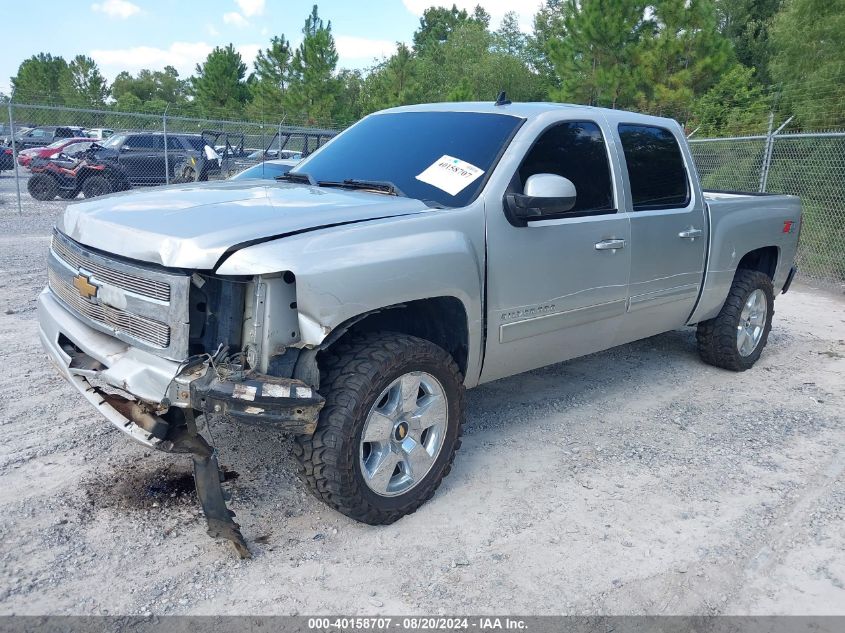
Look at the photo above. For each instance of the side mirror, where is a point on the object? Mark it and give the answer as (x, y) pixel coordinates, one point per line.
(546, 195)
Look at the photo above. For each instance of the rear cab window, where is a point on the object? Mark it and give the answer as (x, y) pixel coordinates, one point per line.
(656, 170)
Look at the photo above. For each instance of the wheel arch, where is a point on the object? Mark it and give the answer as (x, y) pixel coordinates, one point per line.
(764, 260)
(441, 320)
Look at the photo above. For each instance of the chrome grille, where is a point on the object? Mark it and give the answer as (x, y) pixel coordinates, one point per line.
(147, 330)
(149, 288)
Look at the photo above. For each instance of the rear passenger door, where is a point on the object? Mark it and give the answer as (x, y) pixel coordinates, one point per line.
(668, 231)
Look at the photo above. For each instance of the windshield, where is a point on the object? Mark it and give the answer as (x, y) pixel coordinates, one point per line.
(114, 141)
(267, 171)
(439, 157)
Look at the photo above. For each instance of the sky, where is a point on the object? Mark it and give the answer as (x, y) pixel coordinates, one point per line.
(135, 34)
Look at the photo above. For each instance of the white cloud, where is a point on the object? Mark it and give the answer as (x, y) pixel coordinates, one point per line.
(235, 19)
(251, 7)
(183, 56)
(352, 47)
(211, 30)
(121, 9)
(496, 9)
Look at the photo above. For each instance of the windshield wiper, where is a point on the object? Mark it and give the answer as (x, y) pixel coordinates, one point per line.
(299, 176)
(381, 186)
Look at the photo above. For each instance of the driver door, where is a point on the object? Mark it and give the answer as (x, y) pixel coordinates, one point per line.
(555, 287)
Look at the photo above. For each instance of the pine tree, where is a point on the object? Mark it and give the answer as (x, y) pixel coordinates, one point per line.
(509, 38)
(271, 78)
(219, 86)
(313, 87)
(686, 56)
(596, 59)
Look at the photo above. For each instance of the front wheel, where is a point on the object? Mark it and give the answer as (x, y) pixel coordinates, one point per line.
(42, 187)
(389, 430)
(735, 338)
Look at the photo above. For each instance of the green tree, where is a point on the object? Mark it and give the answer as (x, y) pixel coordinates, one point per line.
(467, 66)
(808, 66)
(313, 86)
(84, 85)
(160, 85)
(683, 59)
(548, 28)
(348, 106)
(746, 23)
(437, 23)
(509, 38)
(391, 82)
(597, 56)
(219, 87)
(735, 105)
(271, 78)
(40, 78)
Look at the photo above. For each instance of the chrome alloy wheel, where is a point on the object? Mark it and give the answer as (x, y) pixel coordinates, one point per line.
(752, 322)
(403, 434)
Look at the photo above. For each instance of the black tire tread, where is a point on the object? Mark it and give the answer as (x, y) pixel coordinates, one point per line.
(327, 458)
(716, 337)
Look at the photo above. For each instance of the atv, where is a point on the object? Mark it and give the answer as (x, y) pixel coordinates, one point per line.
(66, 176)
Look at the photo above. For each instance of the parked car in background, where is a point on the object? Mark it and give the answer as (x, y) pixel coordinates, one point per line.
(139, 159)
(69, 146)
(99, 133)
(46, 134)
(268, 170)
(7, 139)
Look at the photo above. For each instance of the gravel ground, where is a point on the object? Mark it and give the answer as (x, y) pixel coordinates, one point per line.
(637, 480)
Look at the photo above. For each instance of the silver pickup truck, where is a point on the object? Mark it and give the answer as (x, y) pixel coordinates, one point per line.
(425, 250)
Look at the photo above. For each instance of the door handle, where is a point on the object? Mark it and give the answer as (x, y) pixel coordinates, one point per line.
(610, 245)
(690, 234)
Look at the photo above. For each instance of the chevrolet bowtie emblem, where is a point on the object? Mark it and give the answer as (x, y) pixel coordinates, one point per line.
(83, 285)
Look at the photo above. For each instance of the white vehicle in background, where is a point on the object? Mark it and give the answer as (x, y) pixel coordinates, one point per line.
(100, 133)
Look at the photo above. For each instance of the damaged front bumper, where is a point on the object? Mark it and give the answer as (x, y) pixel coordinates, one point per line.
(152, 399)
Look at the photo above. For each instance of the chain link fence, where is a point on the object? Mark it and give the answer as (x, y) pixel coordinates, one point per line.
(58, 153)
(51, 162)
(809, 165)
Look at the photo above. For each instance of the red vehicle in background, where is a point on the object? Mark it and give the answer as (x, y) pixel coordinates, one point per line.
(65, 145)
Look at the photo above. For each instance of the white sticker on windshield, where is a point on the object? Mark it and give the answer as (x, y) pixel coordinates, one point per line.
(450, 174)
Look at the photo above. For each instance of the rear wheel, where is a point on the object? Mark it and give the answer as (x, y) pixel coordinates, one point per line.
(735, 338)
(389, 430)
(96, 186)
(42, 187)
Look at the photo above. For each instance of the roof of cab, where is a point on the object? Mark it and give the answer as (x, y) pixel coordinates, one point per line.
(529, 110)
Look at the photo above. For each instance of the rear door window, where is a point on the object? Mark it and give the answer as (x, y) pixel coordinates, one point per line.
(139, 142)
(656, 168)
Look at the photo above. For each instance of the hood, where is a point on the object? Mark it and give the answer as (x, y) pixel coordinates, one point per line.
(193, 226)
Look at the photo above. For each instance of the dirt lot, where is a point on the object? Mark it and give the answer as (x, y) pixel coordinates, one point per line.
(637, 480)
